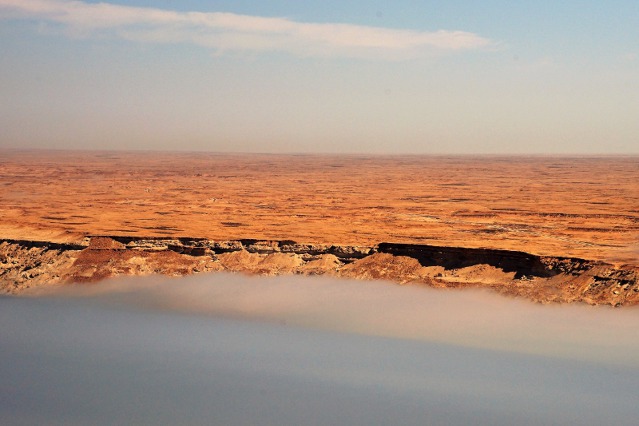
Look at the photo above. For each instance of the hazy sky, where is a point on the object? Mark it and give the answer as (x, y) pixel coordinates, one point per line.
(333, 76)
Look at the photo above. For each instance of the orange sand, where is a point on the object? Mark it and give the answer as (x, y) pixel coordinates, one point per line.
(583, 207)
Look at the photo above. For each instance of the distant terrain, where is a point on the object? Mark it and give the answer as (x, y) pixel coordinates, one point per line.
(550, 229)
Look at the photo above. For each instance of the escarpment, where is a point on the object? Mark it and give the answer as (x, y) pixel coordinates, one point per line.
(544, 279)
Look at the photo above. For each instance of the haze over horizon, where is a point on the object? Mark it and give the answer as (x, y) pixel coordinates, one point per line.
(451, 77)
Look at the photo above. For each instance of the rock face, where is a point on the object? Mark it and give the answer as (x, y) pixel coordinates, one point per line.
(523, 264)
(544, 279)
(384, 266)
(24, 264)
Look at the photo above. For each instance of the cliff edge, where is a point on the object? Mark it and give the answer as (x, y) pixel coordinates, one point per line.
(543, 279)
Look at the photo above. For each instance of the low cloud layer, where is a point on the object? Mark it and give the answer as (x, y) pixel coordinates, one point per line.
(229, 32)
(469, 318)
(228, 349)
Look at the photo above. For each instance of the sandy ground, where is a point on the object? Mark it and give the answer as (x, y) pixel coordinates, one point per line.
(583, 207)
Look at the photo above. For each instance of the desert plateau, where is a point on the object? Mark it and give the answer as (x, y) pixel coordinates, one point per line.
(545, 228)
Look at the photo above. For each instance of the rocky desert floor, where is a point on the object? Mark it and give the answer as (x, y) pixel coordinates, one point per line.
(217, 211)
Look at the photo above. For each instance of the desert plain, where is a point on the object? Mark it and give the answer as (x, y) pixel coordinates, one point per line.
(557, 210)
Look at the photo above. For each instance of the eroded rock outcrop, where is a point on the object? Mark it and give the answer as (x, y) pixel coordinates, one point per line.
(25, 264)
(544, 279)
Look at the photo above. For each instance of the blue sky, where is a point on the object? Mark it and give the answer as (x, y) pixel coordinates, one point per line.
(287, 76)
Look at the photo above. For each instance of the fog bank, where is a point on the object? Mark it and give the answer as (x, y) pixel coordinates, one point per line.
(233, 350)
(472, 318)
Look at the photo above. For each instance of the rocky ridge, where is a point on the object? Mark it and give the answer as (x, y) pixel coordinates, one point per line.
(544, 279)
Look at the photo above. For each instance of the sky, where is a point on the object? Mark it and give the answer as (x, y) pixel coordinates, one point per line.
(402, 77)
